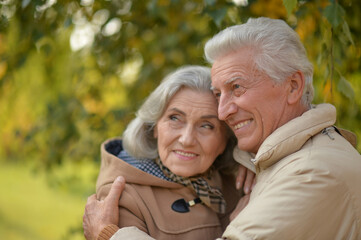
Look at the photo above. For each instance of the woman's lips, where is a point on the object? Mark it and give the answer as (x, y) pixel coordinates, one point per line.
(184, 154)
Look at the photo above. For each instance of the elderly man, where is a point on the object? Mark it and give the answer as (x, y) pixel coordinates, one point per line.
(308, 174)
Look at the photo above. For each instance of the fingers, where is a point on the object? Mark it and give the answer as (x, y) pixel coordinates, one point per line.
(99, 214)
(248, 184)
(115, 191)
(88, 212)
(91, 198)
(242, 203)
(246, 179)
(253, 183)
(89, 203)
(240, 177)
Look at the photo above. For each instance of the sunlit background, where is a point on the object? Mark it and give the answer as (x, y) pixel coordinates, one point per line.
(72, 74)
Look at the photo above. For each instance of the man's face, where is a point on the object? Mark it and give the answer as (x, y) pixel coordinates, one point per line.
(248, 100)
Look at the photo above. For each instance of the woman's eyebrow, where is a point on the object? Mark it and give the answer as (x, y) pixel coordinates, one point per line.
(183, 113)
(209, 116)
(177, 110)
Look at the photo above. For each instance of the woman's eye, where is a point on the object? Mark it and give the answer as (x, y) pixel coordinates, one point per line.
(217, 96)
(207, 126)
(173, 118)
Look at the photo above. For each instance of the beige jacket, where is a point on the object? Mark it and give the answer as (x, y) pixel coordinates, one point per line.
(308, 184)
(146, 201)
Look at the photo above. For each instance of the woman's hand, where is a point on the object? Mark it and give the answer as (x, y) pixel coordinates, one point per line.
(246, 179)
(99, 214)
(242, 203)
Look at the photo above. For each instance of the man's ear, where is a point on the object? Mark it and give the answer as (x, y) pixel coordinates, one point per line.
(296, 86)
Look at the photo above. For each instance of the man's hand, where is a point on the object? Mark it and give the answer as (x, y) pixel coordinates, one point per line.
(99, 214)
(245, 178)
(242, 203)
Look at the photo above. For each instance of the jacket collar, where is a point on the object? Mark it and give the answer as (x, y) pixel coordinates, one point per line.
(290, 137)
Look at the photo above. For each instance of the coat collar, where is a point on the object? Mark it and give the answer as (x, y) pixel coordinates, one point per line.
(112, 166)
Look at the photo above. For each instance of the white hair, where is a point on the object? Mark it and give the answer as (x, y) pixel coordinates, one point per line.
(138, 139)
(278, 50)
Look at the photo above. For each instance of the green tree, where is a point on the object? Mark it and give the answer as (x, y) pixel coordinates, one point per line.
(73, 73)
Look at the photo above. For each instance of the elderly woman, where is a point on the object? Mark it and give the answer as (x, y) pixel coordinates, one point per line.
(176, 157)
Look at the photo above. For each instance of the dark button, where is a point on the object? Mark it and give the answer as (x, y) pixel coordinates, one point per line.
(180, 205)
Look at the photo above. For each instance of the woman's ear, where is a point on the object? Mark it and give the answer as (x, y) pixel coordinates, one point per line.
(155, 131)
(296, 86)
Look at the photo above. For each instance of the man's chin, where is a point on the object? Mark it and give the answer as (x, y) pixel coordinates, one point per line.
(245, 145)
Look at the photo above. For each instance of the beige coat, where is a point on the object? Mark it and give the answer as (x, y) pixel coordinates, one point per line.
(146, 201)
(308, 184)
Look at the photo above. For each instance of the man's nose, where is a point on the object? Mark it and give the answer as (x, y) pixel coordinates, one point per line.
(187, 137)
(226, 107)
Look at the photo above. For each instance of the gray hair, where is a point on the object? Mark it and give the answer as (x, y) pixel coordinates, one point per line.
(279, 51)
(138, 139)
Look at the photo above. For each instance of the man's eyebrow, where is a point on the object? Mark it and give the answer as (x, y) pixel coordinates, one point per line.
(233, 79)
(228, 82)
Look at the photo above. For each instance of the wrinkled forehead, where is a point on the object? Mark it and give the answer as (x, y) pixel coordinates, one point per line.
(239, 63)
(238, 74)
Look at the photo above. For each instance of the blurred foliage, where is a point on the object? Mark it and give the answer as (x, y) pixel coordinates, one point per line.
(72, 73)
(31, 210)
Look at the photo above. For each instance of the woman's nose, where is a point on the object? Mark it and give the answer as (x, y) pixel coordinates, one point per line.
(187, 137)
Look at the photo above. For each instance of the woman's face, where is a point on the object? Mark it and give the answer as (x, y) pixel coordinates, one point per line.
(189, 134)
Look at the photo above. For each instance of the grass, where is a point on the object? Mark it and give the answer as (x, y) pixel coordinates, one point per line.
(30, 209)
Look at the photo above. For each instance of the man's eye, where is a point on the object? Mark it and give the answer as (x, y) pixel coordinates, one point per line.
(238, 90)
(236, 86)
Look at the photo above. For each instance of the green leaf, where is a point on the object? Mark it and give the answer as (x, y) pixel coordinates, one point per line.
(334, 14)
(290, 5)
(345, 88)
(347, 32)
(25, 3)
(210, 2)
(4, 23)
(217, 15)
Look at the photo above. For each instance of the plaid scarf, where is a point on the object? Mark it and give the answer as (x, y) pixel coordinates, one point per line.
(210, 196)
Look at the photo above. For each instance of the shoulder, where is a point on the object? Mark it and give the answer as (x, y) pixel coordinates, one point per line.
(326, 153)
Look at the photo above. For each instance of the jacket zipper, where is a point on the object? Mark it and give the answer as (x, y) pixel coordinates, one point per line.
(326, 131)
